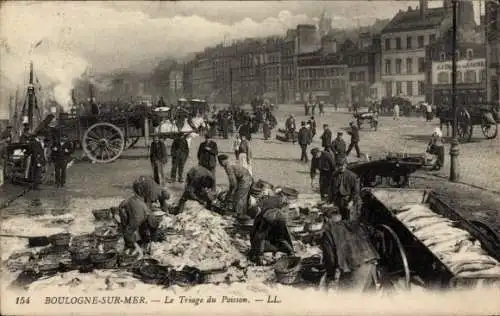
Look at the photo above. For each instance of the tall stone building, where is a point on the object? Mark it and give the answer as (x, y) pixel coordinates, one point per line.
(492, 20)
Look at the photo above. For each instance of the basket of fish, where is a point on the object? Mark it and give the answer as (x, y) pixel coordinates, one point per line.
(434, 235)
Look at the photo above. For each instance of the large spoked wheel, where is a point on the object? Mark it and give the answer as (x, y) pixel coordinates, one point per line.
(103, 142)
(490, 130)
(394, 266)
(464, 125)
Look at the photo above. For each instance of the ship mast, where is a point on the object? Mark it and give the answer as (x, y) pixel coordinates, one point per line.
(30, 104)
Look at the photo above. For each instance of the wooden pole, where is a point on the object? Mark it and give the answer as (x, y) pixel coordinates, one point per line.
(454, 150)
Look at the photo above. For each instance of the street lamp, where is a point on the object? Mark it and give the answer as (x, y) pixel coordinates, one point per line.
(454, 150)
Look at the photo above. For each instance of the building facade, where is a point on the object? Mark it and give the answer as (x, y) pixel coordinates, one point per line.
(202, 76)
(470, 75)
(271, 67)
(289, 67)
(492, 20)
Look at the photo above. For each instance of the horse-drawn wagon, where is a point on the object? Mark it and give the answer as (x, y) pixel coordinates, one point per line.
(485, 115)
(104, 137)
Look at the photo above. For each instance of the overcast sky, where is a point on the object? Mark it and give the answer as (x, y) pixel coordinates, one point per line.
(111, 35)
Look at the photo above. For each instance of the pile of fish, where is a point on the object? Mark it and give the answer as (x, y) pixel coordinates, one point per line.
(197, 237)
(455, 247)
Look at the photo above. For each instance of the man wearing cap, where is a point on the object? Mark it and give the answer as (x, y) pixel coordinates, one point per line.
(38, 161)
(200, 186)
(304, 139)
(323, 161)
(339, 147)
(180, 153)
(207, 154)
(269, 232)
(326, 137)
(240, 182)
(344, 191)
(60, 155)
(290, 128)
(354, 132)
(158, 157)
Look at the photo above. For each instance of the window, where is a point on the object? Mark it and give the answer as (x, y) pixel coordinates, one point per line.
(421, 88)
(362, 76)
(442, 56)
(457, 53)
(443, 77)
(432, 38)
(409, 88)
(388, 89)
(421, 64)
(352, 76)
(409, 65)
(399, 88)
(460, 77)
(470, 53)
(483, 75)
(398, 43)
(388, 69)
(398, 66)
(470, 76)
(387, 44)
(409, 43)
(420, 40)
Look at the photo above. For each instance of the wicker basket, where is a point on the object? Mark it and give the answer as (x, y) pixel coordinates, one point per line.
(80, 256)
(107, 260)
(83, 241)
(107, 236)
(287, 269)
(60, 240)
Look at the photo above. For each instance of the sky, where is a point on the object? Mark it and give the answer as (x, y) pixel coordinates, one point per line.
(107, 36)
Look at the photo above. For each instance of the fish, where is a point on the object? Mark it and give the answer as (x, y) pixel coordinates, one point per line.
(468, 257)
(433, 230)
(424, 222)
(469, 267)
(487, 273)
(441, 239)
(444, 247)
(415, 212)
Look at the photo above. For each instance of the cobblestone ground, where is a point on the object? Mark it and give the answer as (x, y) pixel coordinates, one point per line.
(279, 163)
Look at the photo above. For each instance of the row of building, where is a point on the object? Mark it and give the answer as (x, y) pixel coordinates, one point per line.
(410, 57)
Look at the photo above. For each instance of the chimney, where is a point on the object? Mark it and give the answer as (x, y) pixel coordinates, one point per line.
(423, 8)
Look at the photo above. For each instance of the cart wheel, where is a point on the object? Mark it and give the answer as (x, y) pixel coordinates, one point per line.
(393, 260)
(103, 142)
(490, 130)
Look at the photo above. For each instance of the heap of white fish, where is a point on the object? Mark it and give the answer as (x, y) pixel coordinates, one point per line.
(200, 240)
(455, 247)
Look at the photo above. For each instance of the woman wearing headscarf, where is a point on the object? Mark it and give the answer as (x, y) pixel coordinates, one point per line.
(436, 147)
(245, 154)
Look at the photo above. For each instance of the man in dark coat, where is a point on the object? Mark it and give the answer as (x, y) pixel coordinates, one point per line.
(207, 154)
(339, 148)
(161, 103)
(344, 191)
(326, 137)
(354, 132)
(38, 161)
(321, 108)
(200, 186)
(60, 155)
(246, 128)
(180, 153)
(290, 128)
(304, 139)
(323, 161)
(269, 232)
(158, 157)
(240, 182)
(312, 124)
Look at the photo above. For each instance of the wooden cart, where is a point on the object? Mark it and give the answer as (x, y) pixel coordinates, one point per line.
(404, 255)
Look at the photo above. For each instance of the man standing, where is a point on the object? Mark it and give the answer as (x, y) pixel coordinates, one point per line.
(304, 140)
(290, 128)
(180, 153)
(240, 182)
(321, 108)
(200, 186)
(354, 132)
(339, 148)
(61, 154)
(344, 191)
(37, 161)
(207, 154)
(326, 137)
(325, 163)
(312, 124)
(158, 157)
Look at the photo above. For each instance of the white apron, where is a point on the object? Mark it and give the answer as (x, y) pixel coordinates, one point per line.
(244, 164)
